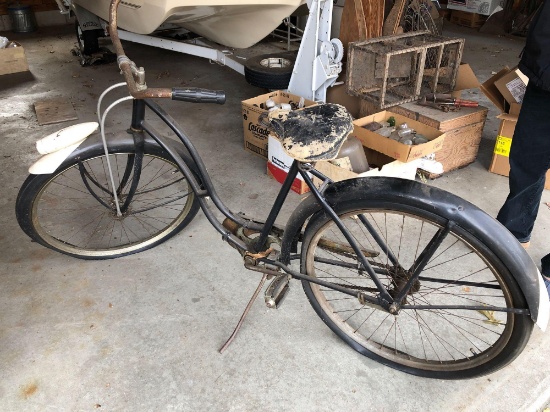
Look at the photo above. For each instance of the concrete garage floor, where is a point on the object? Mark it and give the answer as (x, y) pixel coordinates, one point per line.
(142, 333)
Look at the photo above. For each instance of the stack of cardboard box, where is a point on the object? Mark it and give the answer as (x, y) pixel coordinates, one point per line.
(506, 89)
(387, 157)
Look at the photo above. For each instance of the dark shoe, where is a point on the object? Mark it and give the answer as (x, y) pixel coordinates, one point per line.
(547, 284)
(545, 265)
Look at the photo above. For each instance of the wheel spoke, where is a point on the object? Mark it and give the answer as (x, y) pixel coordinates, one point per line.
(73, 219)
(443, 326)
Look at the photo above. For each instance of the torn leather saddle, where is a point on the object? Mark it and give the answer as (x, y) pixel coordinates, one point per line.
(314, 133)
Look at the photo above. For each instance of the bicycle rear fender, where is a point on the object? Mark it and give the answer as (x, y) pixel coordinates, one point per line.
(445, 204)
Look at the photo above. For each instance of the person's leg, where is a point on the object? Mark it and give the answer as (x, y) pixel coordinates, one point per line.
(529, 162)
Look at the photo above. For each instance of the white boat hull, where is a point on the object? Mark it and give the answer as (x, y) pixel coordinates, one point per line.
(233, 23)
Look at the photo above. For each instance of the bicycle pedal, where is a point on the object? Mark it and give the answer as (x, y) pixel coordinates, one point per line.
(277, 291)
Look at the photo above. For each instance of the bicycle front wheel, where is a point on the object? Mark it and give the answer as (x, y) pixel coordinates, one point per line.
(73, 210)
(438, 336)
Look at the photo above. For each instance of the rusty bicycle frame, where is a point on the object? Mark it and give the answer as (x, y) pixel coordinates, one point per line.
(256, 252)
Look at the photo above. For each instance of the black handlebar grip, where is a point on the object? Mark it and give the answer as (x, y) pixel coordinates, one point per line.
(195, 95)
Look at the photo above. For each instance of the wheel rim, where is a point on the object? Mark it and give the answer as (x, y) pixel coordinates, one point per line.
(275, 63)
(434, 340)
(68, 217)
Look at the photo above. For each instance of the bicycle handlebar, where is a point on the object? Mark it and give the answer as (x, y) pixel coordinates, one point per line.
(196, 95)
(135, 77)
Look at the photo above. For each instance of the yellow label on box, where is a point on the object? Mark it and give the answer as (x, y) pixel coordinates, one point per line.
(502, 146)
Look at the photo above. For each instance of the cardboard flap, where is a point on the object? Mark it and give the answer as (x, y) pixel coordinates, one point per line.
(512, 86)
(466, 78)
(514, 109)
(507, 116)
(490, 90)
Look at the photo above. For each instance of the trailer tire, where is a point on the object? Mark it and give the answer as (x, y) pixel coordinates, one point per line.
(270, 71)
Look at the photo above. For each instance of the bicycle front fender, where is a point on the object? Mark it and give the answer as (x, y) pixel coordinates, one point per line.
(94, 144)
(414, 194)
(56, 147)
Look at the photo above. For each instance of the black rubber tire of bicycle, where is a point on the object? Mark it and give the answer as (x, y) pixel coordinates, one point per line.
(523, 325)
(266, 77)
(34, 183)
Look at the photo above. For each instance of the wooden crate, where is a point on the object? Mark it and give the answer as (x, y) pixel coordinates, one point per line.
(462, 128)
(393, 70)
(463, 18)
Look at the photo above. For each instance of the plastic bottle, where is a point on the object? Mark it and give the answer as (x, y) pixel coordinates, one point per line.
(404, 130)
(353, 149)
(420, 139)
(385, 131)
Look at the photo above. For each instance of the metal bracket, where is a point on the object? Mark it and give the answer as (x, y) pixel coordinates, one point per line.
(318, 63)
(86, 20)
(196, 48)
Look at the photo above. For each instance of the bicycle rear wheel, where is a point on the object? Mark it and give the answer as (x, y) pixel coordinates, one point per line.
(73, 210)
(448, 343)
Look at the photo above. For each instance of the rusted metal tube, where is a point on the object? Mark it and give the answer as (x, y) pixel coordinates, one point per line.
(130, 72)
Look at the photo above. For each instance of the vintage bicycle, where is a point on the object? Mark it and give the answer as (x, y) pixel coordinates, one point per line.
(406, 274)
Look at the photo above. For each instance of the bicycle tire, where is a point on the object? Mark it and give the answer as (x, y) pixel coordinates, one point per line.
(444, 344)
(55, 209)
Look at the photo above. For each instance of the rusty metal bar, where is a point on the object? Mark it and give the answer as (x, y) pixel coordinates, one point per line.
(135, 78)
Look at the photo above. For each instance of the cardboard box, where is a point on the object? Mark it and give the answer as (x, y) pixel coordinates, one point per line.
(386, 167)
(13, 60)
(467, 19)
(485, 7)
(492, 92)
(512, 86)
(463, 130)
(500, 163)
(278, 165)
(255, 134)
(392, 148)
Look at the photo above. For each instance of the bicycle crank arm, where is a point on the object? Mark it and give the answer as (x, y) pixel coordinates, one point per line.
(371, 301)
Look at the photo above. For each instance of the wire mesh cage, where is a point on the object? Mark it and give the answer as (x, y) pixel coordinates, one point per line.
(393, 70)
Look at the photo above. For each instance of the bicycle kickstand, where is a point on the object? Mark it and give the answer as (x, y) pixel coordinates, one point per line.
(245, 313)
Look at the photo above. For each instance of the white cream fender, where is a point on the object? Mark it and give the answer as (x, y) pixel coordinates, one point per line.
(544, 305)
(58, 146)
